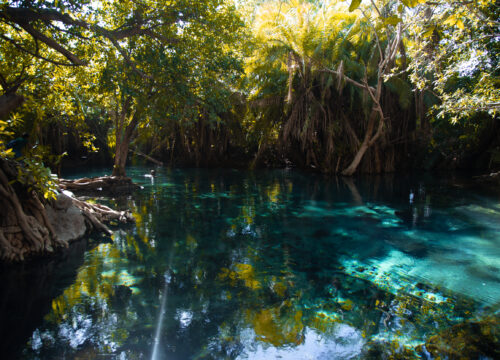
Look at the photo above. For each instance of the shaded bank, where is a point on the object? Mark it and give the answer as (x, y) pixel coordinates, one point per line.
(37, 220)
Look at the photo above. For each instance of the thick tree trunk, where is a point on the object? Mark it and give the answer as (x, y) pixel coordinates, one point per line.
(351, 169)
(386, 63)
(121, 158)
(8, 103)
(368, 140)
(124, 135)
(367, 143)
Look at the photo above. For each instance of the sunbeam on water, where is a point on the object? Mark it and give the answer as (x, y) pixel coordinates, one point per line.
(159, 324)
(272, 264)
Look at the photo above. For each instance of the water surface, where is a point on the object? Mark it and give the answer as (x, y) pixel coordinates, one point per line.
(226, 264)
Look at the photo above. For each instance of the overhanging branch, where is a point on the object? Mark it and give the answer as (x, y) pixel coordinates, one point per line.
(24, 17)
(23, 49)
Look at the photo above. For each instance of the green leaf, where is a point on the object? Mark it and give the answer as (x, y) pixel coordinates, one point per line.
(450, 21)
(428, 32)
(392, 20)
(354, 5)
(412, 3)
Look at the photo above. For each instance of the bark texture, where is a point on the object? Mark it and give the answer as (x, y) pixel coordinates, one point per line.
(123, 134)
(8, 103)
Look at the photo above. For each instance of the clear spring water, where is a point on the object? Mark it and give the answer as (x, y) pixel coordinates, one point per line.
(227, 264)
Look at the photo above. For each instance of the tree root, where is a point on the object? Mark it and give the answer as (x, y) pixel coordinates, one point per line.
(25, 229)
(6, 190)
(23, 226)
(7, 251)
(99, 185)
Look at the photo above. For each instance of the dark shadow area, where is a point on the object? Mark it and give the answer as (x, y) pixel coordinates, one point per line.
(27, 291)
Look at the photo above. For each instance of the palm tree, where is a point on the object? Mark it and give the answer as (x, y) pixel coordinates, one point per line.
(328, 67)
(294, 38)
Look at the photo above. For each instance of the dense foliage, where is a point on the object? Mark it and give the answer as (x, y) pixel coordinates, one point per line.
(339, 86)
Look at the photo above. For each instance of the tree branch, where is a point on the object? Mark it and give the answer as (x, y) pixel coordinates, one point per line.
(21, 48)
(376, 35)
(376, 8)
(128, 60)
(348, 79)
(51, 43)
(25, 16)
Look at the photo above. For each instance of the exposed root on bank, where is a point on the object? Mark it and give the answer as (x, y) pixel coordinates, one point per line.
(25, 228)
(99, 185)
(21, 231)
(98, 214)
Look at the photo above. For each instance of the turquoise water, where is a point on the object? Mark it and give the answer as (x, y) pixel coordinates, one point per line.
(226, 264)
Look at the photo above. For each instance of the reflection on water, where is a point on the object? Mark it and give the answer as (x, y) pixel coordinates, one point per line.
(27, 292)
(277, 264)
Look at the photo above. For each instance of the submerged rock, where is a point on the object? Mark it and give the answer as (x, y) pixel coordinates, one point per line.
(467, 340)
(388, 350)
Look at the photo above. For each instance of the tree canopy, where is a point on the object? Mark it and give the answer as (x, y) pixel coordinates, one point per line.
(339, 86)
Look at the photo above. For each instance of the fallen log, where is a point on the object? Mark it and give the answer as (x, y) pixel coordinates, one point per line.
(104, 185)
(493, 177)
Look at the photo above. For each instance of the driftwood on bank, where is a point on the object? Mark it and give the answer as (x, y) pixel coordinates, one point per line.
(493, 177)
(104, 185)
(31, 225)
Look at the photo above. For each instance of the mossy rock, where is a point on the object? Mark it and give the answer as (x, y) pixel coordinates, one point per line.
(467, 340)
